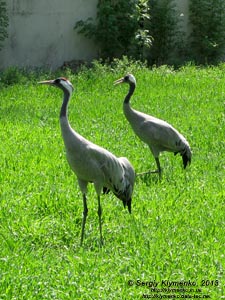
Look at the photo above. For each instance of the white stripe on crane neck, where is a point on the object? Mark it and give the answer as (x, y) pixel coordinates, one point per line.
(132, 78)
(67, 85)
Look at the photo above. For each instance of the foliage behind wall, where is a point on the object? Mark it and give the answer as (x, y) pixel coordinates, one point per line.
(152, 30)
(207, 38)
(165, 28)
(118, 29)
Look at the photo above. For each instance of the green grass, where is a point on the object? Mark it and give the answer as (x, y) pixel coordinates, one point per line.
(176, 230)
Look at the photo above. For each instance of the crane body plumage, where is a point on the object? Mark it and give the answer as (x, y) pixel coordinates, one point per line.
(92, 163)
(157, 134)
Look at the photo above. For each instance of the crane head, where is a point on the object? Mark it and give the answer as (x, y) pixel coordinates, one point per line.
(61, 82)
(129, 78)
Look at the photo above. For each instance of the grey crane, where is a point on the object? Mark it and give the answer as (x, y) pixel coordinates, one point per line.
(91, 163)
(157, 134)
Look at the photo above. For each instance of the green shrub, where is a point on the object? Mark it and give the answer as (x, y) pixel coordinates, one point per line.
(11, 76)
(165, 28)
(207, 38)
(15, 75)
(119, 28)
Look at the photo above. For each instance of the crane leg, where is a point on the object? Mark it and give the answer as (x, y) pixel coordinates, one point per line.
(100, 219)
(159, 170)
(156, 156)
(85, 212)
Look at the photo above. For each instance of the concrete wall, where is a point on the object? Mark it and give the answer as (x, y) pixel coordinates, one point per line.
(41, 33)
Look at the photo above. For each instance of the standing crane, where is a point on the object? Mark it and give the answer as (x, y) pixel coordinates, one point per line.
(157, 134)
(91, 163)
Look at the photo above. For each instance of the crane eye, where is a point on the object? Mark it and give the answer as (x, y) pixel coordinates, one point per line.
(57, 80)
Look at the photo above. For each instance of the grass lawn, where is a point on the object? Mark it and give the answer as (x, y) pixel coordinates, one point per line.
(175, 236)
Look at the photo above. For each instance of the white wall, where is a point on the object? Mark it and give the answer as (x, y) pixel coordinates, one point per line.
(41, 33)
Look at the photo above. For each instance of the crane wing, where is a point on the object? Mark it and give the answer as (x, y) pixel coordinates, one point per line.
(157, 133)
(117, 173)
(161, 135)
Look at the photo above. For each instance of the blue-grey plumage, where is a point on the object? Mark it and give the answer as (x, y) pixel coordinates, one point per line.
(92, 163)
(157, 134)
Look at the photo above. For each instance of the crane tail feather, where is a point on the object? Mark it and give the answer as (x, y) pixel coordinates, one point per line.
(186, 160)
(128, 204)
(186, 157)
(105, 190)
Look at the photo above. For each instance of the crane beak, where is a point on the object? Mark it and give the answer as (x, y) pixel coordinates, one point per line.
(49, 82)
(121, 80)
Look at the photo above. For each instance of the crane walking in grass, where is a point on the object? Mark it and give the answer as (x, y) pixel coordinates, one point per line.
(157, 134)
(91, 163)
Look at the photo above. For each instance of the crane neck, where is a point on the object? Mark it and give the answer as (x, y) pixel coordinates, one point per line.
(130, 93)
(66, 98)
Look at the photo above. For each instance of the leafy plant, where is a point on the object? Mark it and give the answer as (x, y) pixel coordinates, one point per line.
(3, 22)
(165, 28)
(119, 28)
(207, 38)
(11, 76)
